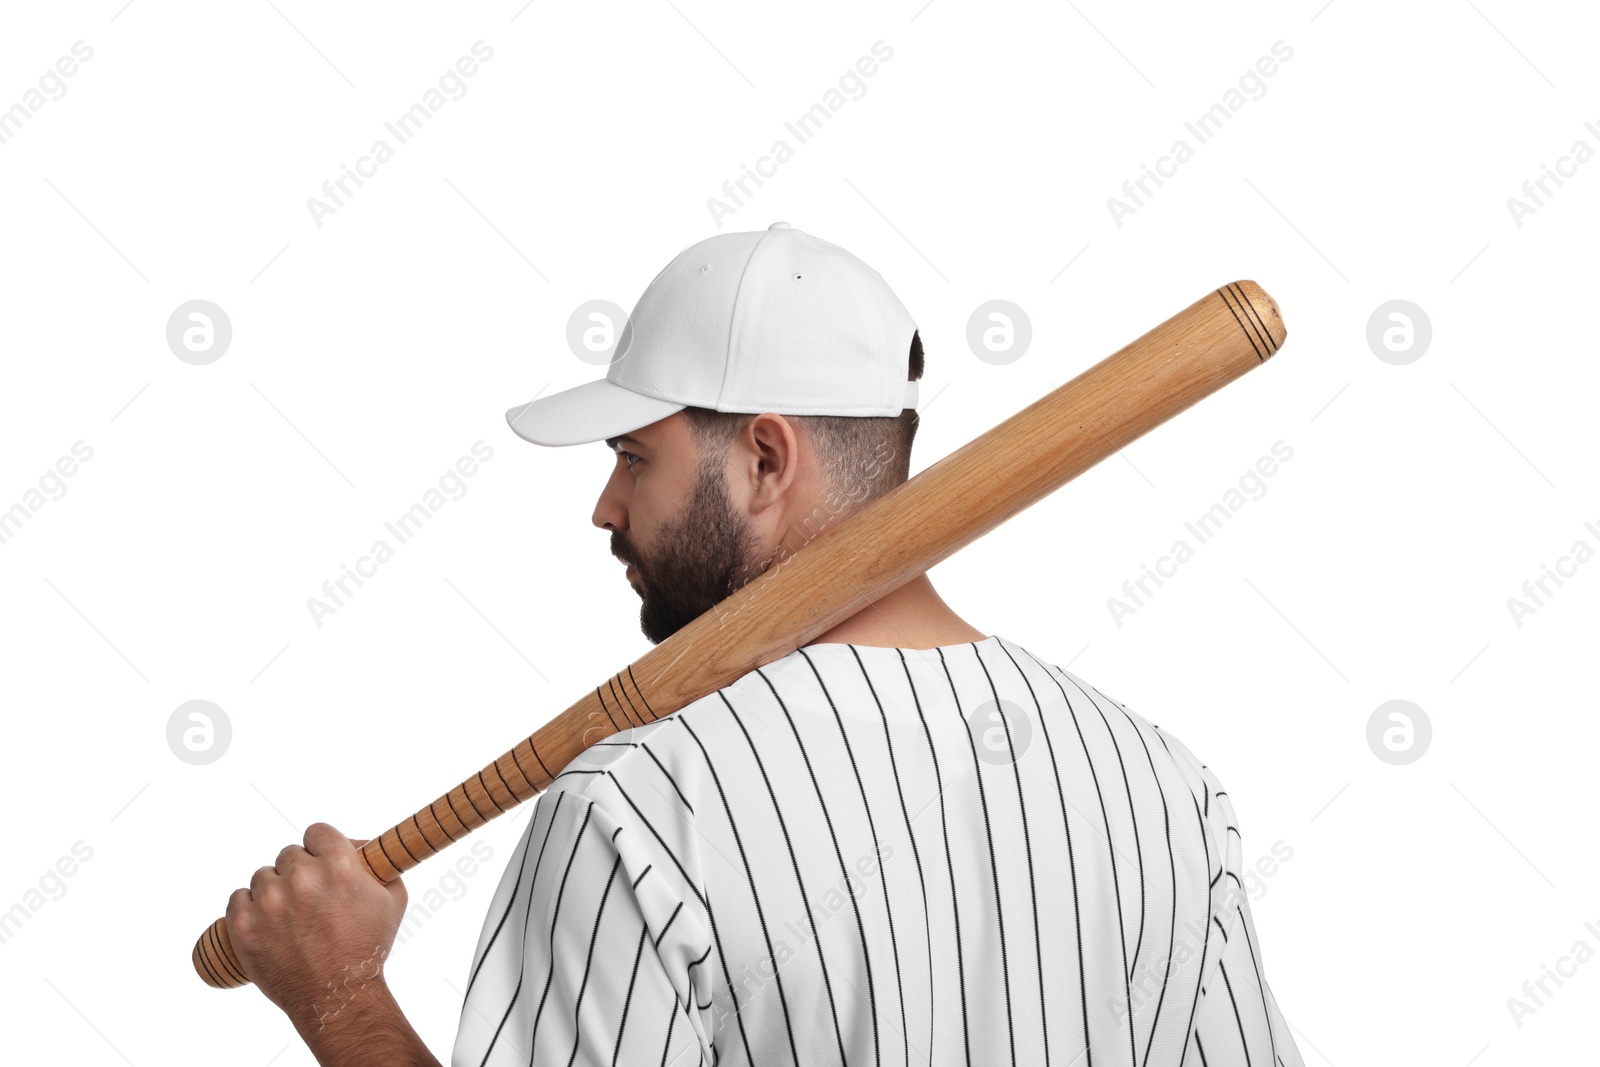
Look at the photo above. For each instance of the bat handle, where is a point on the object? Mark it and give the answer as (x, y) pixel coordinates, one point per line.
(214, 958)
(498, 788)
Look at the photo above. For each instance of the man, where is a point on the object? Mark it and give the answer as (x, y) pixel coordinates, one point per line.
(905, 842)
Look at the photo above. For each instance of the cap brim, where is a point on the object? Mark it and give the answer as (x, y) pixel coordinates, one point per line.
(585, 413)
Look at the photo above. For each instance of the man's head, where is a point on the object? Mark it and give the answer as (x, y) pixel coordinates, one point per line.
(764, 387)
(703, 501)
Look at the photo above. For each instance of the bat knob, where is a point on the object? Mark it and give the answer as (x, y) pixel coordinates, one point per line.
(215, 961)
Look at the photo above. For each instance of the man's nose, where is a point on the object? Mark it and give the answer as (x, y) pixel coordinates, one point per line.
(609, 512)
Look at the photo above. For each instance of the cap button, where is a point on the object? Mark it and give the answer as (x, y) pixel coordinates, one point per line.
(780, 226)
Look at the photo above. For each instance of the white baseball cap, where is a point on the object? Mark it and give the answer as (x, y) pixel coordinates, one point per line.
(770, 320)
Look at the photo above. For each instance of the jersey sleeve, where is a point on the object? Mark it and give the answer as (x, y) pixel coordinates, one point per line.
(567, 969)
(1237, 1022)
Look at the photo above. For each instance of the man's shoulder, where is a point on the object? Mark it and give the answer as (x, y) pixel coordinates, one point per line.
(1164, 745)
(651, 771)
(672, 757)
(666, 762)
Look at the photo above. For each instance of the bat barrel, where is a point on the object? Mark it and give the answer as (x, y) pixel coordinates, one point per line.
(898, 536)
(871, 552)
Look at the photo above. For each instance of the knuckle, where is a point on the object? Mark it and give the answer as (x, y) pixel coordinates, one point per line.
(351, 863)
(305, 879)
(242, 929)
(273, 902)
(238, 915)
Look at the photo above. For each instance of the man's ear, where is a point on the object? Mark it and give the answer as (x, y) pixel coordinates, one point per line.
(769, 459)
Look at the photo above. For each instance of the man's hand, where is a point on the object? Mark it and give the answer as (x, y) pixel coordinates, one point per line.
(314, 930)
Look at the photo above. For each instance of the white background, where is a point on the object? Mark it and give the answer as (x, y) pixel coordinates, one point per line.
(371, 352)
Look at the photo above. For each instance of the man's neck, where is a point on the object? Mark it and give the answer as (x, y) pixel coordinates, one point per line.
(912, 616)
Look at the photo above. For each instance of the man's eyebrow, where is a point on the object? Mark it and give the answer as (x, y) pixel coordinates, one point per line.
(612, 442)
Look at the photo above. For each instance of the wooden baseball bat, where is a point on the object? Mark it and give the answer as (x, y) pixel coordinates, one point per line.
(872, 552)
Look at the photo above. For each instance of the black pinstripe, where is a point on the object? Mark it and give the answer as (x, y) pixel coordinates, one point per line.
(784, 796)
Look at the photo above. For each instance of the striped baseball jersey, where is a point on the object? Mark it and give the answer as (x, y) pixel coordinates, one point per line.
(863, 855)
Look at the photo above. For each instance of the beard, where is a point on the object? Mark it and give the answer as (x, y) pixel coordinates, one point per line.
(705, 554)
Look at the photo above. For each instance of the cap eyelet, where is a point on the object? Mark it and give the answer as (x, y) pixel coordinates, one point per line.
(705, 268)
(797, 277)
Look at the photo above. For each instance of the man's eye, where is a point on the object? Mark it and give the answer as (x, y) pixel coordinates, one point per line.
(629, 456)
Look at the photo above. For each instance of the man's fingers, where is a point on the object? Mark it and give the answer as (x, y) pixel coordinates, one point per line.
(289, 855)
(328, 843)
(260, 879)
(237, 900)
(323, 840)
